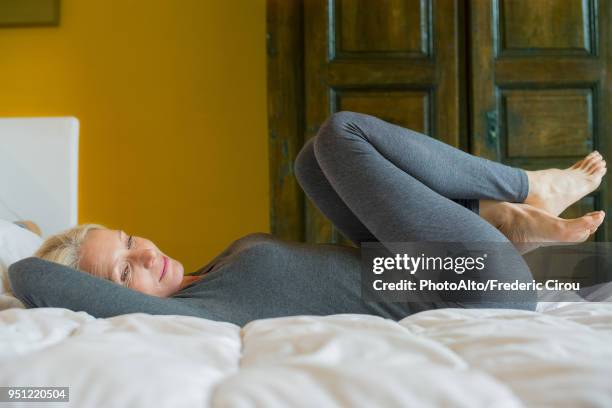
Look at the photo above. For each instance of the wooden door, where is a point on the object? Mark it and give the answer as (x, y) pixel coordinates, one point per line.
(400, 60)
(519, 81)
(540, 95)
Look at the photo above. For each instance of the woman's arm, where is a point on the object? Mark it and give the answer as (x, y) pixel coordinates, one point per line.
(40, 283)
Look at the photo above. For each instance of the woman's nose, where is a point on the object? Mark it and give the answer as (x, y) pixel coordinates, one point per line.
(147, 257)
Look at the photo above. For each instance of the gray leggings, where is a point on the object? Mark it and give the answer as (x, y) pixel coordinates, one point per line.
(377, 181)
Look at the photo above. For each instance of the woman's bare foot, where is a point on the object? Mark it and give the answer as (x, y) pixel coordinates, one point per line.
(553, 190)
(523, 223)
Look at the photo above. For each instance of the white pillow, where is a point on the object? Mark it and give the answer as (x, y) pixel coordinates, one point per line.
(15, 243)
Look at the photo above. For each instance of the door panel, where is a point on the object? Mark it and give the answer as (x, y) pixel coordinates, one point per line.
(539, 94)
(548, 122)
(388, 28)
(545, 26)
(396, 59)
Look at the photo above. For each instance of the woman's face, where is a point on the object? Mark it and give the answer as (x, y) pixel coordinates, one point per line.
(130, 261)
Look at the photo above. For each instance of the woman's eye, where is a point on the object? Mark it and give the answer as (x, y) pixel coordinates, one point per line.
(125, 273)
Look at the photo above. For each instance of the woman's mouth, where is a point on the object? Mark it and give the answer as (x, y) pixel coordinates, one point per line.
(163, 272)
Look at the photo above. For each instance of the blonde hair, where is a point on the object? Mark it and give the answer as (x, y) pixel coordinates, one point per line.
(65, 248)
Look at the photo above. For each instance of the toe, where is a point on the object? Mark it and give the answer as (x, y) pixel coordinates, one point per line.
(598, 218)
(584, 161)
(592, 164)
(594, 228)
(594, 156)
(596, 168)
(593, 219)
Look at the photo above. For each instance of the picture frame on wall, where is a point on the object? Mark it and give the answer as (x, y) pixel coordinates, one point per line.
(29, 13)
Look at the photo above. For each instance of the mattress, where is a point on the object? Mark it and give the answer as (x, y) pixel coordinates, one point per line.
(560, 356)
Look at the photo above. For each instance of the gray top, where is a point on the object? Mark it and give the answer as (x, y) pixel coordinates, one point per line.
(257, 276)
(261, 276)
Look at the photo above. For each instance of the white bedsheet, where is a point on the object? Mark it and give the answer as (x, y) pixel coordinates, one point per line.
(561, 357)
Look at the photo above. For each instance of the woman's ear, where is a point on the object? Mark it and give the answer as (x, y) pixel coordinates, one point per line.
(29, 225)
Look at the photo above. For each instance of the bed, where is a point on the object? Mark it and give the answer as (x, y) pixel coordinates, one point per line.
(559, 355)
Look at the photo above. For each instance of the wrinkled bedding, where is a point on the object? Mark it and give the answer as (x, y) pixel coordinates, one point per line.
(560, 356)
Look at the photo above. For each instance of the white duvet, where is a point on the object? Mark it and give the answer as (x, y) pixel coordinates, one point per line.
(561, 357)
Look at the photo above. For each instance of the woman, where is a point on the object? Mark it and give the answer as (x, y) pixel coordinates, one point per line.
(376, 182)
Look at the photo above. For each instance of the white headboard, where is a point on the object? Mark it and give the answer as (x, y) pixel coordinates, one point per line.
(39, 171)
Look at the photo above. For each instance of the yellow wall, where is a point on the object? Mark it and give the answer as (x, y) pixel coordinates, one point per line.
(171, 96)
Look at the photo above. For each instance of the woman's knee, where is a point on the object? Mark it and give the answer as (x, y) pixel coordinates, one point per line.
(342, 118)
(340, 123)
(340, 130)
